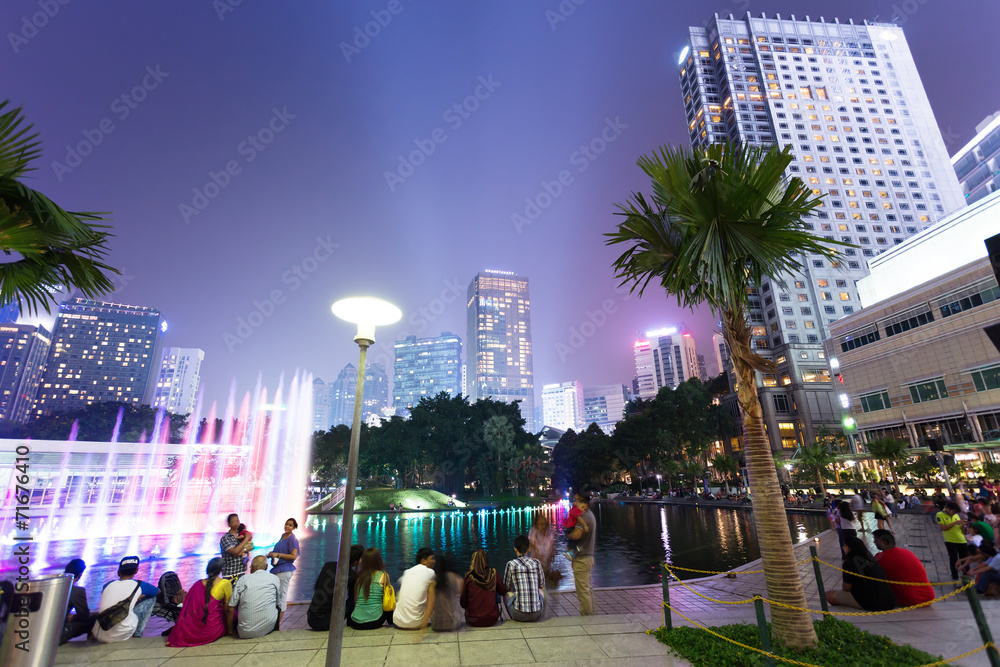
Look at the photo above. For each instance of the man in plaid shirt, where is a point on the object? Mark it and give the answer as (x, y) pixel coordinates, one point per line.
(524, 579)
(232, 549)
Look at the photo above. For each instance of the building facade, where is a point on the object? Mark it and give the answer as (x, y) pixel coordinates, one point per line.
(916, 363)
(604, 405)
(321, 405)
(562, 406)
(664, 359)
(178, 380)
(342, 391)
(426, 367)
(499, 352)
(100, 352)
(977, 164)
(849, 102)
(23, 351)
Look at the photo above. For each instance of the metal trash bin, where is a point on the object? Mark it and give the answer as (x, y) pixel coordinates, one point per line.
(36, 621)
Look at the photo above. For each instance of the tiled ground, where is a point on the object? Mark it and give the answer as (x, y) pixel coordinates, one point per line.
(614, 636)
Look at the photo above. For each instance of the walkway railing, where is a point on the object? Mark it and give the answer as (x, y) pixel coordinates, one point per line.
(966, 585)
(329, 501)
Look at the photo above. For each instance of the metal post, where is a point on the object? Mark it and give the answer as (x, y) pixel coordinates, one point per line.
(338, 619)
(666, 599)
(984, 627)
(819, 580)
(765, 632)
(944, 471)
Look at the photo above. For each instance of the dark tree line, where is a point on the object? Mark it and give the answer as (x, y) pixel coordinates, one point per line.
(96, 424)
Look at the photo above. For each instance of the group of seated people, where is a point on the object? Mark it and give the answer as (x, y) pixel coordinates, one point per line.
(430, 593)
(212, 608)
(861, 586)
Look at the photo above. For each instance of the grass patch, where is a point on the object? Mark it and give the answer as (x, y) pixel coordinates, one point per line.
(377, 500)
(841, 644)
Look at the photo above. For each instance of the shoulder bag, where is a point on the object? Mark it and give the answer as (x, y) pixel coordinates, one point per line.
(388, 595)
(117, 612)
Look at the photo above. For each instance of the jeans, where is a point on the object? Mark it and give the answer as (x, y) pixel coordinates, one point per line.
(142, 610)
(523, 616)
(956, 551)
(988, 577)
(582, 567)
(75, 628)
(284, 578)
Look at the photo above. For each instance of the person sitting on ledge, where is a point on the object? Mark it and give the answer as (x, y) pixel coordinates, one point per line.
(141, 596)
(862, 592)
(901, 564)
(78, 620)
(256, 597)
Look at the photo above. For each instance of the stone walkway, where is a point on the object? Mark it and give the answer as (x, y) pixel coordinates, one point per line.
(615, 636)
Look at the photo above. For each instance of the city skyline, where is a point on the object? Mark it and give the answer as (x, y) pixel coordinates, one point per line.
(186, 120)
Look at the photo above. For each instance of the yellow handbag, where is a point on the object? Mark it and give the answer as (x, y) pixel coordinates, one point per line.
(388, 595)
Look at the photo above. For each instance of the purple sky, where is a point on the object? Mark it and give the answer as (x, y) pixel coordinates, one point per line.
(544, 92)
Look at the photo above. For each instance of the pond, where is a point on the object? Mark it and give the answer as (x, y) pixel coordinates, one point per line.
(632, 540)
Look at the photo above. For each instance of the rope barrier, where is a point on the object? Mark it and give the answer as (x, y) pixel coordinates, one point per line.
(774, 656)
(823, 562)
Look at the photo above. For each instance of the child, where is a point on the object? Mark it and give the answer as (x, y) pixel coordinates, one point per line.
(568, 524)
(241, 534)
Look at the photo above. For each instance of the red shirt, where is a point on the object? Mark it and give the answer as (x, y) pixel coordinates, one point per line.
(480, 604)
(902, 564)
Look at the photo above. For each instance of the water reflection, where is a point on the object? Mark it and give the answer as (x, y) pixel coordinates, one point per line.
(632, 541)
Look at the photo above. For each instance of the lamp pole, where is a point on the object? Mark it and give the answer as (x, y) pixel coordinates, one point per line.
(367, 314)
(659, 486)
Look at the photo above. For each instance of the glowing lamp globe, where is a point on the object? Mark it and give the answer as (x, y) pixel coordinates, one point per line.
(367, 312)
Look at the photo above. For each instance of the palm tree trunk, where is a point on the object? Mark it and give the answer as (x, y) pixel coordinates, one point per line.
(781, 573)
(822, 486)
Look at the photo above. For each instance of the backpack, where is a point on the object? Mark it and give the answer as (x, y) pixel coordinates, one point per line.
(117, 612)
(169, 585)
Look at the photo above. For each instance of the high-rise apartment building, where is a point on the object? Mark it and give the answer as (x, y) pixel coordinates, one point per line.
(849, 102)
(101, 352)
(178, 380)
(702, 369)
(342, 391)
(977, 164)
(23, 351)
(321, 405)
(499, 341)
(721, 352)
(604, 405)
(562, 406)
(426, 367)
(664, 359)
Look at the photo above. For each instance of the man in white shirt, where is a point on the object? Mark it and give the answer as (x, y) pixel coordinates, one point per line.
(858, 507)
(127, 586)
(411, 600)
(256, 596)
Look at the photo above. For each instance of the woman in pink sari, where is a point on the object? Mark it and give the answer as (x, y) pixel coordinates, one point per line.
(206, 615)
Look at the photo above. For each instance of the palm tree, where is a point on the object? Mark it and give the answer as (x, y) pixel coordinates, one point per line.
(51, 248)
(724, 465)
(671, 469)
(890, 450)
(721, 219)
(815, 459)
(693, 470)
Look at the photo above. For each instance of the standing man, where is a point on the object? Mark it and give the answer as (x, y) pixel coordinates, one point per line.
(411, 600)
(232, 549)
(256, 597)
(524, 579)
(954, 540)
(901, 564)
(585, 533)
(858, 507)
(141, 596)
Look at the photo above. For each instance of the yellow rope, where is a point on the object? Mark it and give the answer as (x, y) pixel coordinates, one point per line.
(691, 569)
(774, 656)
(902, 583)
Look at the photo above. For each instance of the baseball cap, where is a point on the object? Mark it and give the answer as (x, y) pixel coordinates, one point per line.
(129, 565)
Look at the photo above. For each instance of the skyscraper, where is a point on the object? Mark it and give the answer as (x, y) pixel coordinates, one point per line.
(848, 101)
(562, 405)
(23, 351)
(178, 379)
(604, 405)
(721, 352)
(664, 359)
(499, 341)
(977, 164)
(426, 367)
(702, 370)
(101, 352)
(321, 405)
(376, 397)
(342, 390)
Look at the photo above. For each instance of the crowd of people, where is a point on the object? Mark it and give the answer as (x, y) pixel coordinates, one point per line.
(432, 594)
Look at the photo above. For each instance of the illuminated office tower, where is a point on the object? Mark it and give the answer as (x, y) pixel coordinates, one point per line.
(721, 352)
(499, 341)
(321, 406)
(178, 380)
(426, 367)
(342, 391)
(23, 350)
(604, 405)
(848, 101)
(664, 359)
(562, 406)
(101, 352)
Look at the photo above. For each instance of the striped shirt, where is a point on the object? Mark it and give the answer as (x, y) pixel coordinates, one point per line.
(525, 578)
(232, 566)
(256, 597)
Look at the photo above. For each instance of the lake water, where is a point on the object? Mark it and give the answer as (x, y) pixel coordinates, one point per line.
(631, 540)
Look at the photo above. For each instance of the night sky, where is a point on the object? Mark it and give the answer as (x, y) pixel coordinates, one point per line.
(300, 123)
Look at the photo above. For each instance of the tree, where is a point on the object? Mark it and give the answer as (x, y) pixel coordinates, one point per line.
(54, 249)
(694, 471)
(725, 466)
(721, 219)
(97, 423)
(892, 451)
(815, 460)
(499, 436)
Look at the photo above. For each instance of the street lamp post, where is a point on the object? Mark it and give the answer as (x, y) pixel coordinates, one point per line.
(659, 487)
(367, 313)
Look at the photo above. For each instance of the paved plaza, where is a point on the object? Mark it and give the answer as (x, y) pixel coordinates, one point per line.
(614, 636)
